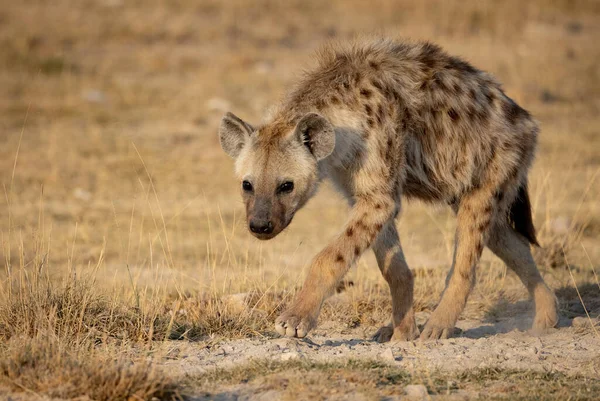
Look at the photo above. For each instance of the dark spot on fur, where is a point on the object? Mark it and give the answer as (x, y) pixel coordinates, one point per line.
(339, 258)
(360, 225)
(368, 109)
(356, 251)
(453, 115)
(377, 85)
(335, 100)
(437, 82)
(371, 122)
(380, 113)
(499, 196)
(374, 65)
(466, 274)
(378, 206)
(378, 227)
(455, 63)
(429, 55)
(366, 93)
(479, 115)
(489, 95)
(488, 209)
(346, 85)
(513, 111)
(350, 232)
(357, 77)
(472, 94)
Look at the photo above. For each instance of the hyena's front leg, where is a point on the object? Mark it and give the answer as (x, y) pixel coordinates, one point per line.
(367, 218)
(475, 215)
(394, 269)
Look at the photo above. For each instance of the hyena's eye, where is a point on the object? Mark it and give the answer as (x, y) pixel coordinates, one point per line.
(246, 186)
(286, 187)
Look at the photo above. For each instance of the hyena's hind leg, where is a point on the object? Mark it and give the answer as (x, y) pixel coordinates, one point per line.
(515, 252)
(476, 212)
(394, 269)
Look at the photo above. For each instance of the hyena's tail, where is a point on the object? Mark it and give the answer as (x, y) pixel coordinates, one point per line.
(520, 216)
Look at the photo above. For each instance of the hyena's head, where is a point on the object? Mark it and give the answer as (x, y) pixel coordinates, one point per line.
(277, 165)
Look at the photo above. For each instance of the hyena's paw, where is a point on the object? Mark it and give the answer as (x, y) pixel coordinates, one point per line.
(388, 333)
(295, 324)
(436, 329)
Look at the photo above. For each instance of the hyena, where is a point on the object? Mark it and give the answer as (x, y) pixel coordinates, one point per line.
(386, 119)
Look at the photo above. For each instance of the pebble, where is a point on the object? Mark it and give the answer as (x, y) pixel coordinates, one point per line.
(416, 391)
(94, 96)
(388, 355)
(583, 321)
(290, 356)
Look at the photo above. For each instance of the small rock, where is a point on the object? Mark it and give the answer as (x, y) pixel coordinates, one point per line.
(94, 96)
(416, 391)
(290, 356)
(583, 321)
(82, 194)
(388, 355)
(283, 343)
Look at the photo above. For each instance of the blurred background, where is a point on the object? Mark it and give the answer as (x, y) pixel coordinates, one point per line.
(109, 111)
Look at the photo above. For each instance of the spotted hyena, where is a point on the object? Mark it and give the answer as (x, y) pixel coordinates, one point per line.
(386, 119)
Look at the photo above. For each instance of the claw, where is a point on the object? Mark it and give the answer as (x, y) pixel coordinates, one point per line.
(291, 324)
(433, 332)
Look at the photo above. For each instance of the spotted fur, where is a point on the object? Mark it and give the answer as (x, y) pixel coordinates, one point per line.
(386, 119)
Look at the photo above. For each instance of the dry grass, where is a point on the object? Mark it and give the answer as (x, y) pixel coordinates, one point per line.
(373, 380)
(122, 228)
(44, 365)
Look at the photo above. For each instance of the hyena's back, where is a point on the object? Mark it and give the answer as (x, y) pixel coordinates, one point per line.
(454, 127)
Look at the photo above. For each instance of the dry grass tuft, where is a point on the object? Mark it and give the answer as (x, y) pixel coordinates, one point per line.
(44, 365)
(74, 311)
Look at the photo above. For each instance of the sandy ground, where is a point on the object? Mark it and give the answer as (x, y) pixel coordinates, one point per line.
(572, 349)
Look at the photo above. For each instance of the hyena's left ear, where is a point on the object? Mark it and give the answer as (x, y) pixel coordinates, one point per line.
(317, 134)
(233, 134)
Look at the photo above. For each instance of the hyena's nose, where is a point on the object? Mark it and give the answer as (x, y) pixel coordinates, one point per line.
(261, 226)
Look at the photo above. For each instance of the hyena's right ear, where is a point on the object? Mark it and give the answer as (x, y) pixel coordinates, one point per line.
(233, 134)
(317, 134)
